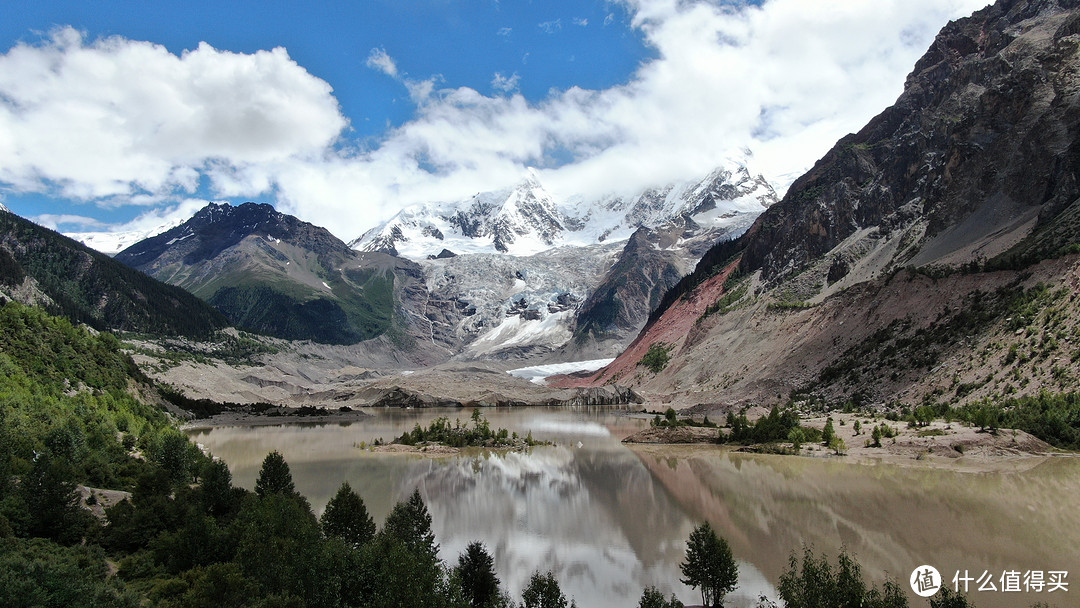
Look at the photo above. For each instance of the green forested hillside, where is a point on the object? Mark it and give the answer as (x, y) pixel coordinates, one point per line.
(71, 394)
(89, 287)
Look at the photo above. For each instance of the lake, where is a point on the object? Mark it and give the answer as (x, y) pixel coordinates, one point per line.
(609, 519)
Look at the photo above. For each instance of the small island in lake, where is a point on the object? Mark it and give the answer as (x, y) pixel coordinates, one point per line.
(440, 437)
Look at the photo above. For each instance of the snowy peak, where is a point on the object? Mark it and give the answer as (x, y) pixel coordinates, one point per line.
(111, 243)
(522, 220)
(528, 213)
(718, 197)
(527, 219)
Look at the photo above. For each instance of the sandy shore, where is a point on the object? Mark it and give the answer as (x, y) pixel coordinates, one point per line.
(939, 444)
(433, 450)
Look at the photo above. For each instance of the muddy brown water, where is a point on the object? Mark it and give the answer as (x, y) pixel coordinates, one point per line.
(609, 519)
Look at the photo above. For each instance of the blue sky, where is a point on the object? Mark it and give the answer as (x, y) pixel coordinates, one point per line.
(548, 43)
(121, 114)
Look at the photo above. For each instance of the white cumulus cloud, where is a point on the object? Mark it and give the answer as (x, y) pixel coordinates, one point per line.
(117, 121)
(116, 117)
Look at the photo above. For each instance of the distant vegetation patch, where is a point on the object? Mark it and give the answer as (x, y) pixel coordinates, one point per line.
(671, 419)
(242, 349)
(480, 434)
(729, 301)
(657, 357)
(263, 309)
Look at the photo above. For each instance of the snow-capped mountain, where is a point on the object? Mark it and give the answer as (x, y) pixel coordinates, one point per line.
(526, 219)
(521, 221)
(517, 269)
(111, 243)
(3, 208)
(721, 199)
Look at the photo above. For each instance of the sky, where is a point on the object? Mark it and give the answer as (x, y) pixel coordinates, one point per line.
(122, 115)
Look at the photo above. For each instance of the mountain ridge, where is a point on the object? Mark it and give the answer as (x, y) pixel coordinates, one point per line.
(916, 261)
(39, 266)
(272, 273)
(526, 218)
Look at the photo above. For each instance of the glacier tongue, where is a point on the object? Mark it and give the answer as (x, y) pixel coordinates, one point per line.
(515, 303)
(537, 373)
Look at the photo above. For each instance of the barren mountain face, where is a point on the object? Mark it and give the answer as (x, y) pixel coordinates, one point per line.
(928, 256)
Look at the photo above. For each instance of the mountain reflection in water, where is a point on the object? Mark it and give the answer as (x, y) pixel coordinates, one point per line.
(609, 520)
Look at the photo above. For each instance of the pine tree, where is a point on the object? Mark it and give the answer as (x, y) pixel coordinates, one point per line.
(829, 432)
(410, 524)
(274, 477)
(52, 501)
(217, 490)
(346, 517)
(476, 571)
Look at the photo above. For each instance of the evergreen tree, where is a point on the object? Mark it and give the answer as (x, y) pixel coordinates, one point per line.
(410, 524)
(52, 501)
(476, 572)
(174, 456)
(217, 490)
(390, 575)
(543, 592)
(280, 547)
(346, 517)
(6, 454)
(829, 432)
(401, 567)
(709, 565)
(274, 477)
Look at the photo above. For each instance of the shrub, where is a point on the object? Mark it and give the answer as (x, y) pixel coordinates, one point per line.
(657, 357)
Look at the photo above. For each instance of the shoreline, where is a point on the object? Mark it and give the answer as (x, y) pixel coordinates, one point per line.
(246, 418)
(965, 465)
(243, 419)
(981, 451)
(940, 445)
(441, 450)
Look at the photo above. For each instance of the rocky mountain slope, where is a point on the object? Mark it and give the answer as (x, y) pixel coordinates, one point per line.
(919, 259)
(41, 267)
(272, 273)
